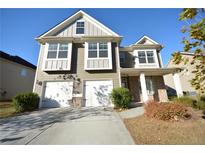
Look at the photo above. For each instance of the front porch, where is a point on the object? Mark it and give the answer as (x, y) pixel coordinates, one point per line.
(148, 83)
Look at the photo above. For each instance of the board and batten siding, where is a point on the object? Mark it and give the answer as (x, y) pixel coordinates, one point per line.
(90, 30)
(56, 64)
(98, 63)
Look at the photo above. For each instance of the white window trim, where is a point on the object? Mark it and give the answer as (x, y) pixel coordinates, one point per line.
(68, 57)
(80, 20)
(138, 64)
(98, 58)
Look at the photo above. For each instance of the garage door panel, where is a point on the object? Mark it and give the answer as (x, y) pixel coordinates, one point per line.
(57, 94)
(97, 93)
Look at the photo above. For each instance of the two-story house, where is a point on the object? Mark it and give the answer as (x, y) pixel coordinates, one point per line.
(81, 61)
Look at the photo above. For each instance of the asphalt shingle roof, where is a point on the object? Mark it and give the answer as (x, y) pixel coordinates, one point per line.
(16, 59)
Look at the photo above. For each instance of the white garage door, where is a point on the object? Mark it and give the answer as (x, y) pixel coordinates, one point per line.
(57, 94)
(96, 93)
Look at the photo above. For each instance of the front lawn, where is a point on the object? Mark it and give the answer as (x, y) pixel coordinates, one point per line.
(6, 109)
(146, 130)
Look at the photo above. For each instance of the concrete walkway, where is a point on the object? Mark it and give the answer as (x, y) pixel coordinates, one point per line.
(65, 126)
(133, 112)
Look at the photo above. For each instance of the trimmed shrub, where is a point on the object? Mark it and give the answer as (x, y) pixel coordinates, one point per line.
(121, 97)
(26, 102)
(166, 111)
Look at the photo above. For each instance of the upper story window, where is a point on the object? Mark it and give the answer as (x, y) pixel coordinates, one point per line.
(80, 27)
(97, 50)
(150, 56)
(57, 57)
(142, 57)
(98, 56)
(63, 51)
(146, 57)
(52, 51)
(103, 50)
(57, 51)
(92, 50)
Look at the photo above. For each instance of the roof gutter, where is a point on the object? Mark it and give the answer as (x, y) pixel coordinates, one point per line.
(79, 39)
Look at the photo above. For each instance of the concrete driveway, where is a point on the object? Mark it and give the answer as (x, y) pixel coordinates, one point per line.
(65, 126)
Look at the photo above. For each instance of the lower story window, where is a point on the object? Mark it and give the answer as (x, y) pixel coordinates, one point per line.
(124, 82)
(149, 85)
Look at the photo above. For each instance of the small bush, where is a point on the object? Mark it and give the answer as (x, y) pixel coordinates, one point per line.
(200, 105)
(166, 111)
(195, 102)
(121, 97)
(26, 102)
(202, 98)
(186, 100)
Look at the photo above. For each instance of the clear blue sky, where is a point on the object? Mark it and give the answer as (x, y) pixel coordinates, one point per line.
(19, 27)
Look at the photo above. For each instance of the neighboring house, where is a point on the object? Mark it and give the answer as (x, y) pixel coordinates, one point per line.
(16, 76)
(84, 49)
(185, 76)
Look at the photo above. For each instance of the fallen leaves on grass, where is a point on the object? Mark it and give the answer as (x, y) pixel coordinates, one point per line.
(146, 130)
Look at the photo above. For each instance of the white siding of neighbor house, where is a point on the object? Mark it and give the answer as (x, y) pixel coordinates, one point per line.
(90, 30)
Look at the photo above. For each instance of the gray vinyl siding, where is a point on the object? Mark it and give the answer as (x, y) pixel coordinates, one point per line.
(129, 62)
(90, 30)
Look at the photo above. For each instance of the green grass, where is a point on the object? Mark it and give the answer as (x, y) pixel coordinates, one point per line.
(6, 109)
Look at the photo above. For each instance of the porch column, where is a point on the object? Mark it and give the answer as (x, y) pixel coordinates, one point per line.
(177, 84)
(143, 87)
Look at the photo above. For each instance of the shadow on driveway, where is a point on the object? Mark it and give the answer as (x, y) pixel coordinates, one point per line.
(24, 124)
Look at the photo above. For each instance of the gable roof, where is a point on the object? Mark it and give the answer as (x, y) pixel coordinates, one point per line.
(74, 17)
(16, 59)
(144, 38)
